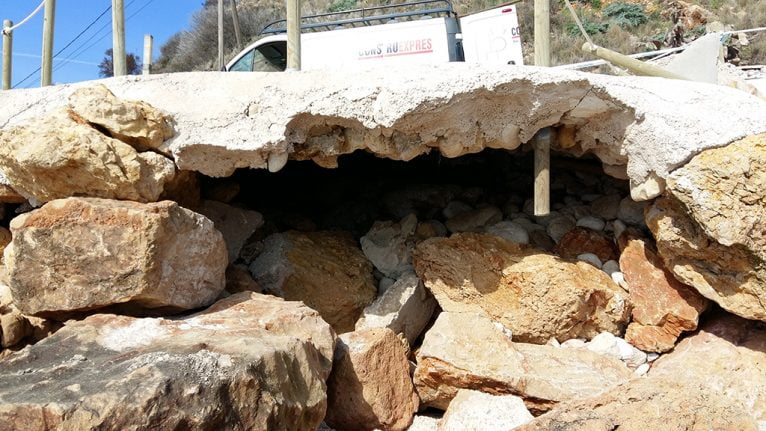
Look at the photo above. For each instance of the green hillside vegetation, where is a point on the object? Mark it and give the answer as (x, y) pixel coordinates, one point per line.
(627, 26)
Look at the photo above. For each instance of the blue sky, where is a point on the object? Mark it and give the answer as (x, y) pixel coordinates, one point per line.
(160, 18)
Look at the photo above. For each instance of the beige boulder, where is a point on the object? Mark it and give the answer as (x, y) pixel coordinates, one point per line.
(728, 356)
(134, 122)
(325, 270)
(648, 404)
(710, 230)
(80, 254)
(662, 307)
(479, 411)
(370, 385)
(534, 294)
(469, 351)
(250, 362)
(60, 157)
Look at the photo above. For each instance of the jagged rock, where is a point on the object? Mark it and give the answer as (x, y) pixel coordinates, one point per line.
(474, 220)
(239, 279)
(248, 120)
(479, 411)
(80, 254)
(648, 404)
(710, 230)
(236, 224)
(662, 307)
(510, 231)
(370, 386)
(727, 356)
(424, 422)
(389, 245)
(405, 307)
(582, 240)
(325, 270)
(136, 123)
(536, 295)
(59, 157)
(468, 351)
(248, 362)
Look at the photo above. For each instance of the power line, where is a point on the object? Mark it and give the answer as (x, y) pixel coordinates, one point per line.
(68, 44)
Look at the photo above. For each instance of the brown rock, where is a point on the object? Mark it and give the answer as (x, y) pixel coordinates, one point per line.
(5, 239)
(250, 362)
(370, 386)
(184, 188)
(728, 356)
(238, 279)
(468, 351)
(662, 307)
(325, 270)
(10, 196)
(15, 328)
(535, 295)
(58, 157)
(648, 404)
(236, 224)
(136, 123)
(581, 240)
(710, 231)
(80, 254)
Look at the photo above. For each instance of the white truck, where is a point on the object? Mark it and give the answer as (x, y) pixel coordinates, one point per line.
(427, 31)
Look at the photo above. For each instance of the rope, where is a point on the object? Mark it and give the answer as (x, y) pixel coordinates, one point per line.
(579, 24)
(10, 29)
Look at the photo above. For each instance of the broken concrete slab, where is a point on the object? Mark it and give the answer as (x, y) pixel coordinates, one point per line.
(262, 120)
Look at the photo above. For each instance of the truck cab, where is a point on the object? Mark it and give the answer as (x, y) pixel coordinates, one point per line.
(427, 31)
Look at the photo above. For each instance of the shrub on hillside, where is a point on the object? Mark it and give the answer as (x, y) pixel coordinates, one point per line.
(626, 14)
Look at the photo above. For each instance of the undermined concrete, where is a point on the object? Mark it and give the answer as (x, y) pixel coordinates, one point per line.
(262, 120)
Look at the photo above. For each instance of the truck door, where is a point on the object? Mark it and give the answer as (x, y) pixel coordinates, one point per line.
(492, 36)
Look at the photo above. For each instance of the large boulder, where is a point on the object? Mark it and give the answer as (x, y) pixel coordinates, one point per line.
(468, 351)
(370, 386)
(61, 157)
(249, 362)
(648, 404)
(534, 294)
(325, 270)
(662, 307)
(134, 122)
(405, 308)
(728, 356)
(80, 254)
(478, 411)
(709, 230)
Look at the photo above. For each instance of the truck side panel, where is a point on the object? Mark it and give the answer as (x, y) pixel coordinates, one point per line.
(423, 41)
(492, 36)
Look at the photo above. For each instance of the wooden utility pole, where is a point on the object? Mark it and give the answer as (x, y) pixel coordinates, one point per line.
(235, 16)
(147, 63)
(542, 33)
(119, 61)
(7, 57)
(220, 35)
(293, 34)
(542, 146)
(47, 59)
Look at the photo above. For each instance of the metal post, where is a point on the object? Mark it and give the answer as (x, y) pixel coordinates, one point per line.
(542, 145)
(118, 38)
(293, 34)
(220, 35)
(542, 33)
(7, 57)
(47, 59)
(147, 60)
(235, 15)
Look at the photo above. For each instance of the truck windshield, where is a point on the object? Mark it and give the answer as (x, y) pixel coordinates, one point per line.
(270, 57)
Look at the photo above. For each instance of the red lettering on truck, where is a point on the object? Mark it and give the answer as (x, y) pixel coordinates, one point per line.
(393, 49)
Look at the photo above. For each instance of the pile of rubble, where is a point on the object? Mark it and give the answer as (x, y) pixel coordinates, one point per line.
(382, 294)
